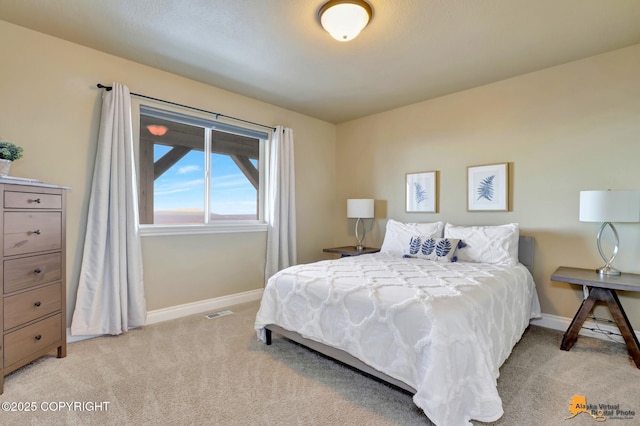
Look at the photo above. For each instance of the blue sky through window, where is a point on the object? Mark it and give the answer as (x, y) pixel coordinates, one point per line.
(182, 186)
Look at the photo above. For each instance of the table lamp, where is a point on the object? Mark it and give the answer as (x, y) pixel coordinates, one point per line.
(360, 208)
(607, 207)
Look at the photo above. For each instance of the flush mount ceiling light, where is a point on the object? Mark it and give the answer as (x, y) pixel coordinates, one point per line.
(344, 19)
(157, 130)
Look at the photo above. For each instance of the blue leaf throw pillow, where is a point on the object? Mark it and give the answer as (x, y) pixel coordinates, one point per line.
(439, 249)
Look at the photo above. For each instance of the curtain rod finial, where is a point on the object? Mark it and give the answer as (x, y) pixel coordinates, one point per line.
(100, 86)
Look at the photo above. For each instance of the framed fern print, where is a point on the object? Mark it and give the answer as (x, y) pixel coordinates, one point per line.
(488, 187)
(422, 193)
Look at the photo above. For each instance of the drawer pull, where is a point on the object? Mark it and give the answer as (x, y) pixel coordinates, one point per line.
(37, 304)
(38, 337)
(37, 271)
(37, 232)
(37, 200)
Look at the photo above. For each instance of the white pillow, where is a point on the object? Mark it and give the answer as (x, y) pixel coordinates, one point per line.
(486, 244)
(439, 249)
(398, 235)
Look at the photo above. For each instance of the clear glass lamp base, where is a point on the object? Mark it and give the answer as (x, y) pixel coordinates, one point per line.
(607, 269)
(360, 239)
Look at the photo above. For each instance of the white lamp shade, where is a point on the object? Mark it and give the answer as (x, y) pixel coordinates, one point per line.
(345, 19)
(610, 206)
(360, 208)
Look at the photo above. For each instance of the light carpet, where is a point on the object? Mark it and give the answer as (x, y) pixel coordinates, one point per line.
(199, 371)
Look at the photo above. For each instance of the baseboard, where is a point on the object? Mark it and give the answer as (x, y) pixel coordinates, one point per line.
(179, 311)
(187, 309)
(555, 322)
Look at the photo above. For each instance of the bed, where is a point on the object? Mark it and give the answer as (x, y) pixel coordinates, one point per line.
(437, 324)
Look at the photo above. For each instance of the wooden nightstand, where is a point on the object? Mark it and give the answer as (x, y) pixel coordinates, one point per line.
(350, 251)
(601, 287)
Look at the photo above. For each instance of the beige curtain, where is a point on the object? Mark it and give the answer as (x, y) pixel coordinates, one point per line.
(281, 202)
(110, 297)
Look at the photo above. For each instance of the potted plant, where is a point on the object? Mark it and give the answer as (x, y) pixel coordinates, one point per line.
(8, 153)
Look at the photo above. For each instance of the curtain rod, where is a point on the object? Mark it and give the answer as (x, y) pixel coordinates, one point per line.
(217, 114)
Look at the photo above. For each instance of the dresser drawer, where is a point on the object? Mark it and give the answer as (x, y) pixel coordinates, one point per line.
(31, 200)
(25, 341)
(30, 305)
(29, 271)
(27, 232)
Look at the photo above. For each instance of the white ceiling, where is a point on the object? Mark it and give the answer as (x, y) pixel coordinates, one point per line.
(276, 51)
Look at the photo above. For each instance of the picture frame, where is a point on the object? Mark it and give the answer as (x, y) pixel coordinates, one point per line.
(488, 188)
(421, 192)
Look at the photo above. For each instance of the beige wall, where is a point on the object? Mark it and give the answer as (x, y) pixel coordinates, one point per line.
(564, 129)
(49, 105)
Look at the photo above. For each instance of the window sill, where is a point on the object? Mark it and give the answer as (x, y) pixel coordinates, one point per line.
(215, 228)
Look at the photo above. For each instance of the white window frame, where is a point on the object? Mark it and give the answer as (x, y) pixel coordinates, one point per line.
(211, 121)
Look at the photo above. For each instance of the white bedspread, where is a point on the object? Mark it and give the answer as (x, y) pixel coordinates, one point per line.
(442, 328)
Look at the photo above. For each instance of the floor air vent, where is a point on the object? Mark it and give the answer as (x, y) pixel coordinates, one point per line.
(218, 314)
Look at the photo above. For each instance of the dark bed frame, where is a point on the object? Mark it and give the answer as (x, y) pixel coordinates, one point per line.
(525, 256)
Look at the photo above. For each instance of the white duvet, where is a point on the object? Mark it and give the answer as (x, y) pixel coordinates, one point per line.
(442, 328)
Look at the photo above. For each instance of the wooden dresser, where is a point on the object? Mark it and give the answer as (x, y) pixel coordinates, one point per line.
(32, 313)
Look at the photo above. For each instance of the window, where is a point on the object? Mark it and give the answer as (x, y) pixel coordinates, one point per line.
(198, 171)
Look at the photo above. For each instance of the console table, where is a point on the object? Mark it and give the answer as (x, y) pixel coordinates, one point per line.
(601, 287)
